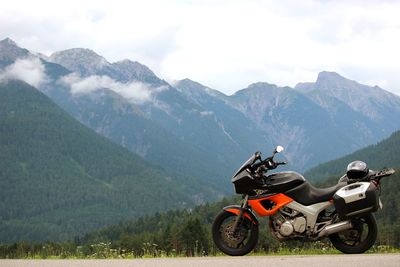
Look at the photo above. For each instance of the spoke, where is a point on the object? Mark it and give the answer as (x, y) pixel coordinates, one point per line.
(354, 243)
(240, 245)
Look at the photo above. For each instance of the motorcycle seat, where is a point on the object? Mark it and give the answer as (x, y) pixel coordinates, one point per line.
(307, 194)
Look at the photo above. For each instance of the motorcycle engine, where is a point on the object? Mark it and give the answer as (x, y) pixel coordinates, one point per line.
(287, 222)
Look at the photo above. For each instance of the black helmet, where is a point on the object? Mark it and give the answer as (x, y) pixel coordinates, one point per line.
(357, 170)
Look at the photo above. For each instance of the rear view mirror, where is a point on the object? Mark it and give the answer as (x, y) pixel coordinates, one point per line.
(279, 149)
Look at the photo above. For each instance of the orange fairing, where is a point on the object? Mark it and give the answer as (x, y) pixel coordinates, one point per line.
(275, 203)
(245, 214)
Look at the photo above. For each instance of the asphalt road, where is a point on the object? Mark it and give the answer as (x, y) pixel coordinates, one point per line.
(365, 260)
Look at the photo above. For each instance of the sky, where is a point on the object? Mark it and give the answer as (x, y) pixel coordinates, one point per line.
(223, 44)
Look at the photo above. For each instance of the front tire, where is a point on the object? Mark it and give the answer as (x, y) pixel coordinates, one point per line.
(358, 239)
(237, 243)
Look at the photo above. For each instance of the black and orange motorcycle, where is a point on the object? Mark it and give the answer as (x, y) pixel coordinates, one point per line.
(298, 210)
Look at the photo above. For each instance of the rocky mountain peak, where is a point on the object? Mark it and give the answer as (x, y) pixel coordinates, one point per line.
(196, 90)
(133, 70)
(82, 60)
(7, 42)
(187, 84)
(10, 51)
(329, 75)
(262, 85)
(257, 89)
(332, 81)
(372, 102)
(193, 90)
(305, 87)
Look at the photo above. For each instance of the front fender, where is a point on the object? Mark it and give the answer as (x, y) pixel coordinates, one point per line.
(248, 213)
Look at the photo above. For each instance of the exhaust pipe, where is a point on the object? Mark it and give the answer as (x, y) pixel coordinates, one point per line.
(335, 228)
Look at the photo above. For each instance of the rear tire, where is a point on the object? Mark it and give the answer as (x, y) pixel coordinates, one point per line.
(357, 240)
(234, 244)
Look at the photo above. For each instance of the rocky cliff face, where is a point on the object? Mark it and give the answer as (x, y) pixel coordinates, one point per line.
(373, 102)
(319, 120)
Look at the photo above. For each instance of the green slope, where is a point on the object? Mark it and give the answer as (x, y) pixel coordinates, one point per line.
(59, 179)
(383, 154)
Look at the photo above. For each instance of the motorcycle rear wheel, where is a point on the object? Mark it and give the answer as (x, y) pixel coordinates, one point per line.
(358, 239)
(237, 243)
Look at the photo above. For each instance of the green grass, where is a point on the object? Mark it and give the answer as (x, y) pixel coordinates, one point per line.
(103, 251)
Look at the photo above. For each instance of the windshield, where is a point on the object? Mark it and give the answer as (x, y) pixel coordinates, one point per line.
(248, 163)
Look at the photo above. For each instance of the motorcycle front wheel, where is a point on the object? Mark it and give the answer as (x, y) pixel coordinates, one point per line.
(234, 243)
(358, 239)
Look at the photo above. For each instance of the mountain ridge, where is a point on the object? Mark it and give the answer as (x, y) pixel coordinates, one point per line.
(82, 60)
(194, 131)
(300, 118)
(10, 52)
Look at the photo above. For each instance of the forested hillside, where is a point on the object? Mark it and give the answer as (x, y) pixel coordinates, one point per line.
(187, 232)
(169, 230)
(59, 179)
(383, 154)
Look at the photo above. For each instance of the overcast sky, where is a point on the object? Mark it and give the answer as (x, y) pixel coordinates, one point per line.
(225, 45)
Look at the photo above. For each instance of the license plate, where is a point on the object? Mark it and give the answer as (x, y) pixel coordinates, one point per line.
(380, 203)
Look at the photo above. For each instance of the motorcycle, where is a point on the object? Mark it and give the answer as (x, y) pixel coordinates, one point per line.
(298, 210)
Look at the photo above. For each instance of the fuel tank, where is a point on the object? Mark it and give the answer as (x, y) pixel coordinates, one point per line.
(282, 181)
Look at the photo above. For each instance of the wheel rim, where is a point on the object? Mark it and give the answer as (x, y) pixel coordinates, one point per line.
(357, 235)
(234, 239)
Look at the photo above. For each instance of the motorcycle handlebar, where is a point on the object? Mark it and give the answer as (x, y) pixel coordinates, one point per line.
(382, 173)
(267, 164)
(271, 164)
(377, 176)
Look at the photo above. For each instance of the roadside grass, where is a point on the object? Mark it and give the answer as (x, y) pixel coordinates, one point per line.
(282, 251)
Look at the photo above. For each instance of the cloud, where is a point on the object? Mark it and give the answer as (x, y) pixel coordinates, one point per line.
(135, 92)
(206, 113)
(225, 45)
(29, 70)
(284, 42)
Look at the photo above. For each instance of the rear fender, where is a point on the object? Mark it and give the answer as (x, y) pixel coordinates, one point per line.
(235, 209)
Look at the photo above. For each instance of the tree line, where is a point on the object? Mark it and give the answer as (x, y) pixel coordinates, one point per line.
(179, 233)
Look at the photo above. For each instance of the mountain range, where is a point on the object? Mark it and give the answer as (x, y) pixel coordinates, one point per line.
(126, 102)
(184, 130)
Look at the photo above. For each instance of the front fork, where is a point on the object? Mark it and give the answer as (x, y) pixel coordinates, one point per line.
(243, 207)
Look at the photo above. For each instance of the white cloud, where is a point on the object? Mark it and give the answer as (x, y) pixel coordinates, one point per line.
(30, 70)
(206, 113)
(225, 45)
(135, 92)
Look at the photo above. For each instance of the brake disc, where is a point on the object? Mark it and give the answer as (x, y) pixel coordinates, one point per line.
(233, 238)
